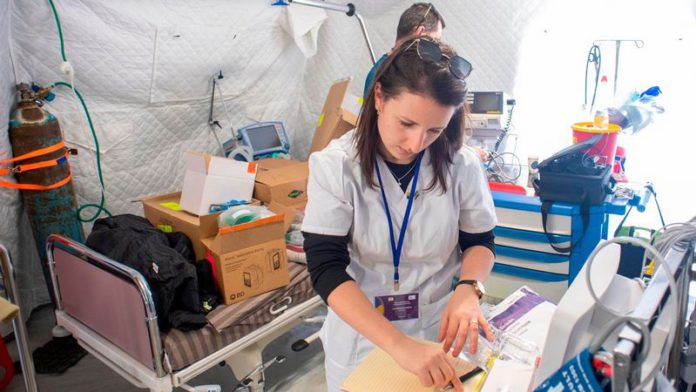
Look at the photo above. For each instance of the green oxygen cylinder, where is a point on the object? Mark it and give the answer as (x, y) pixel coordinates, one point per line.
(53, 210)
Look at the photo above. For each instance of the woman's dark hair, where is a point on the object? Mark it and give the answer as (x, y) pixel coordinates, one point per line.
(405, 71)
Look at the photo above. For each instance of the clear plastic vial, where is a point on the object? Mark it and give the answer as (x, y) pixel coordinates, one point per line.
(504, 346)
(601, 119)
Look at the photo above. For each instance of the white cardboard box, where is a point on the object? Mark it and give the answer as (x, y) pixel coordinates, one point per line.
(214, 180)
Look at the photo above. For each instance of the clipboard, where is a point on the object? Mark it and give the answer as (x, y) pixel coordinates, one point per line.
(378, 372)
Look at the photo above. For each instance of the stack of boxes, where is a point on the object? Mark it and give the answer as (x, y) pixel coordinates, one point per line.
(250, 258)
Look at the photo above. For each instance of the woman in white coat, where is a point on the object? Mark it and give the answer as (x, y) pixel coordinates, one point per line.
(398, 213)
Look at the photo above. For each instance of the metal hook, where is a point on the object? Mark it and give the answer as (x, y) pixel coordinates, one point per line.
(639, 43)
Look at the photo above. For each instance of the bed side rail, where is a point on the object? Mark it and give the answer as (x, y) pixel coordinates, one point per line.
(107, 297)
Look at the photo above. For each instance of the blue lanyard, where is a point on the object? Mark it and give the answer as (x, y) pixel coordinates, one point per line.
(396, 249)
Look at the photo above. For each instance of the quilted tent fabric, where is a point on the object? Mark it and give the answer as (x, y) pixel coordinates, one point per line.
(15, 232)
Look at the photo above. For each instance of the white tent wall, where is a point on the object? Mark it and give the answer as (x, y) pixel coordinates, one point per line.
(145, 68)
(15, 232)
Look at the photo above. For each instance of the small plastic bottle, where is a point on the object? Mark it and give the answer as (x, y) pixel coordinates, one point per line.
(486, 351)
(505, 346)
(601, 119)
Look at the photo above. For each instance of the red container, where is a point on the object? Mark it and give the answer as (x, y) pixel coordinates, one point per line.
(605, 148)
(6, 365)
(506, 188)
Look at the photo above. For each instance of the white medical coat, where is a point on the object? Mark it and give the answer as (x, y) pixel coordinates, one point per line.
(342, 202)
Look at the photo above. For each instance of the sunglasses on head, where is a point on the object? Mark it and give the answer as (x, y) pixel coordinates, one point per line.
(430, 51)
(425, 15)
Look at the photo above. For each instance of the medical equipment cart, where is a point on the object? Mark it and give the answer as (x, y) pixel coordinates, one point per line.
(524, 255)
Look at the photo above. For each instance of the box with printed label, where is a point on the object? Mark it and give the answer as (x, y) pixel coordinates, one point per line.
(282, 181)
(250, 258)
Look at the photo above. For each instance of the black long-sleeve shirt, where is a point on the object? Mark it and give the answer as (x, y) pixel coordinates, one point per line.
(328, 257)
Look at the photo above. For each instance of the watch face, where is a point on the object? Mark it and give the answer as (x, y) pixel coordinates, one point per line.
(480, 289)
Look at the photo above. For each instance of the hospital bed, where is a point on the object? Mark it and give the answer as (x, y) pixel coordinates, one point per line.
(108, 308)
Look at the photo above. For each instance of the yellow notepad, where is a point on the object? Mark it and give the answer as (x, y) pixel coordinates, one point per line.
(378, 372)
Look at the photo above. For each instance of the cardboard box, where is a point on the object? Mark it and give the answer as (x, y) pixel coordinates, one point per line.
(339, 115)
(282, 181)
(195, 227)
(250, 259)
(214, 180)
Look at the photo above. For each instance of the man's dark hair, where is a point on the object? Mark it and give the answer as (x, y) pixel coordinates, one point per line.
(418, 14)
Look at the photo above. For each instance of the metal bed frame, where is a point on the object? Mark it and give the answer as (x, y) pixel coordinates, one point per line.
(151, 372)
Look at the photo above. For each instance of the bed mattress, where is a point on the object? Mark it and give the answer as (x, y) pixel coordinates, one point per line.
(228, 323)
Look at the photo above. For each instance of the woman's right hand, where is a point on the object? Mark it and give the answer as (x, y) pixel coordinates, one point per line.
(429, 363)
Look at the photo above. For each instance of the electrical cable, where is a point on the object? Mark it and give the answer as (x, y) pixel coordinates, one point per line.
(67, 68)
(224, 107)
(649, 186)
(496, 165)
(60, 30)
(672, 285)
(597, 341)
(212, 123)
(100, 206)
(677, 236)
(623, 220)
(505, 130)
(676, 230)
(672, 234)
(593, 56)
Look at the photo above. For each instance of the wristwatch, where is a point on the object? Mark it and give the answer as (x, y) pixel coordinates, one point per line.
(478, 286)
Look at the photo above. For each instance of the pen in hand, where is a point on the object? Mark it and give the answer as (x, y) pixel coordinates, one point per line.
(464, 377)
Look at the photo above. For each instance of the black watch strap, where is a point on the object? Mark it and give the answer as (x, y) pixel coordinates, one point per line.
(469, 282)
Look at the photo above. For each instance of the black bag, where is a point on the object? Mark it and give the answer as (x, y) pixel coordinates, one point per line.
(164, 259)
(571, 176)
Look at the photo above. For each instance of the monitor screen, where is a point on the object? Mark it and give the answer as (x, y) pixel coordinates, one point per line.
(264, 137)
(487, 103)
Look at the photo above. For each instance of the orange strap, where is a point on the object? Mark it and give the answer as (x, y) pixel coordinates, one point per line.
(34, 154)
(36, 187)
(4, 171)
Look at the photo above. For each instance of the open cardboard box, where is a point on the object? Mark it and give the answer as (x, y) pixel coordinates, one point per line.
(195, 227)
(250, 258)
(339, 115)
(215, 180)
(282, 181)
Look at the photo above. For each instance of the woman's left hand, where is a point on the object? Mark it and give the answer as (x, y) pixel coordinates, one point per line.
(461, 320)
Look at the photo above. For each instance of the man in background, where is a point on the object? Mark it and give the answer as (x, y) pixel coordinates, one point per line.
(418, 19)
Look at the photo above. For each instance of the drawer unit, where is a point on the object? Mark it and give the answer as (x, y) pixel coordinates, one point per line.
(524, 255)
(523, 239)
(531, 221)
(504, 280)
(531, 260)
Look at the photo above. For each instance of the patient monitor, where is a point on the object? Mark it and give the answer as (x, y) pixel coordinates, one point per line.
(488, 109)
(578, 319)
(264, 139)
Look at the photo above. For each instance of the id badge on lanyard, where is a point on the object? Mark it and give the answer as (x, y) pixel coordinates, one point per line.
(398, 306)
